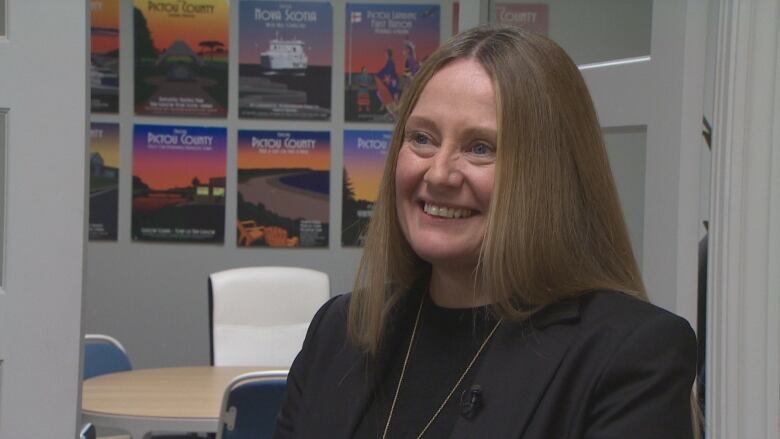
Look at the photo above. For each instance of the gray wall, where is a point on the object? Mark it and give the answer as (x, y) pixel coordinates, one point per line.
(153, 296)
(597, 30)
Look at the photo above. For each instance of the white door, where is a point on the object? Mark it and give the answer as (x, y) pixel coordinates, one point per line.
(663, 92)
(43, 115)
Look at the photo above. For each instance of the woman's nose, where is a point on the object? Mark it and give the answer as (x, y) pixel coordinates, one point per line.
(444, 169)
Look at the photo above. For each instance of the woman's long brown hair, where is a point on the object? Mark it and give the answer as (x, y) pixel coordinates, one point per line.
(555, 227)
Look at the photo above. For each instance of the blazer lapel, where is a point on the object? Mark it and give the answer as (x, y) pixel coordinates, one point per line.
(348, 386)
(352, 378)
(514, 373)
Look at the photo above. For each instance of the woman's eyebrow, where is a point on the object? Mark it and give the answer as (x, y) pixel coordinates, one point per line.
(483, 133)
(420, 121)
(487, 133)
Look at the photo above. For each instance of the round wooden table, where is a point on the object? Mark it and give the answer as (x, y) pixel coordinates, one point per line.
(175, 399)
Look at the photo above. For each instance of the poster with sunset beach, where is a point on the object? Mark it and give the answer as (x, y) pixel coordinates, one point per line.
(179, 183)
(283, 188)
(365, 153)
(104, 65)
(103, 180)
(285, 57)
(385, 45)
(181, 57)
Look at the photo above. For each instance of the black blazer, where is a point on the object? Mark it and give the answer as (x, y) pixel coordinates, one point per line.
(603, 366)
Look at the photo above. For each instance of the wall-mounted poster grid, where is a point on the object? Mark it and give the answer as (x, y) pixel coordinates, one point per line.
(385, 44)
(365, 153)
(285, 52)
(283, 188)
(104, 67)
(531, 17)
(179, 183)
(181, 57)
(103, 181)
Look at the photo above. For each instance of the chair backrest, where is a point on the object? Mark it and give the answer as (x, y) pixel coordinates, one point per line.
(259, 315)
(87, 431)
(103, 354)
(250, 405)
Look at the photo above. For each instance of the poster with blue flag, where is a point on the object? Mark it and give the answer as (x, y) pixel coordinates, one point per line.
(385, 46)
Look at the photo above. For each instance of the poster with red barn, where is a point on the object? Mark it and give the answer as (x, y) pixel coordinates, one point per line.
(179, 183)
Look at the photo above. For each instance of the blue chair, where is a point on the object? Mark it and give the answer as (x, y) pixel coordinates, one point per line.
(251, 404)
(102, 355)
(87, 431)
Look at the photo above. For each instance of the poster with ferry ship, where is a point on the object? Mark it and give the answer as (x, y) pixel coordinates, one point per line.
(365, 153)
(179, 183)
(285, 52)
(385, 45)
(181, 57)
(283, 188)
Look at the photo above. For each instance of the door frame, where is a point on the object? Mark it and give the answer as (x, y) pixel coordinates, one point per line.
(743, 355)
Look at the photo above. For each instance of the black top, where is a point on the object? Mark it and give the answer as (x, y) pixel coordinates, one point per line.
(447, 340)
(602, 365)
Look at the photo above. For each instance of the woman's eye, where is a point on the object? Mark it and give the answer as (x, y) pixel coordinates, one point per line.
(420, 139)
(482, 149)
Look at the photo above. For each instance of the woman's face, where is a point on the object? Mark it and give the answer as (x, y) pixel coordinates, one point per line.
(446, 166)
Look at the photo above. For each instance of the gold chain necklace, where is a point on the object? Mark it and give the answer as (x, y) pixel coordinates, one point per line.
(454, 388)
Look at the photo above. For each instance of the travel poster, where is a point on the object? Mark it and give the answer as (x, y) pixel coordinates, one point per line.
(385, 45)
(181, 57)
(365, 153)
(179, 183)
(285, 53)
(104, 66)
(103, 180)
(531, 17)
(283, 188)
(455, 18)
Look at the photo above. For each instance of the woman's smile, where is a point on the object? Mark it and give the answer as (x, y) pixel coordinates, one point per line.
(446, 166)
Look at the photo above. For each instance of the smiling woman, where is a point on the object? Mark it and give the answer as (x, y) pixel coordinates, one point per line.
(498, 295)
(444, 178)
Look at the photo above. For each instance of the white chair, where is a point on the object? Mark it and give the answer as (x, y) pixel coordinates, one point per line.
(258, 316)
